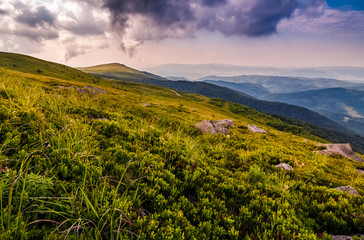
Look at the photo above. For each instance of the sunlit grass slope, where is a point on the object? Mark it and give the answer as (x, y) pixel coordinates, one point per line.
(115, 70)
(112, 67)
(128, 164)
(27, 64)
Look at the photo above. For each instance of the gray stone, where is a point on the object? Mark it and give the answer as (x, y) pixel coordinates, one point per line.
(215, 127)
(341, 149)
(84, 91)
(96, 89)
(256, 129)
(349, 189)
(344, 237)
(284, 166)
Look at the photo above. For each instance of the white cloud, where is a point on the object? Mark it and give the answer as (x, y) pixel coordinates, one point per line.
(331, 22)
(32, 26)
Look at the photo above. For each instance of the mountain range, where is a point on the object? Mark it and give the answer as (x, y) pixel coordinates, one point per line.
(344, 106)
(275, 84)
(197, 71)
(340, 101)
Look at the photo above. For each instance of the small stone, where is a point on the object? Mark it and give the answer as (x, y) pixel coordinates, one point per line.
(344, 237)
(349, 189)
(256, 129)
(84, 91)
(215, 127)
(284, 166)
(96, 89)
(341, 149)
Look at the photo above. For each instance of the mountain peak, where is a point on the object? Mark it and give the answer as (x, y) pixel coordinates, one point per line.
(111, 67)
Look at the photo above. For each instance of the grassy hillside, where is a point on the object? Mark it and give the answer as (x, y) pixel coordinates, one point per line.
(27, 64)
(128, 164)
(115, 70)
(211, 90)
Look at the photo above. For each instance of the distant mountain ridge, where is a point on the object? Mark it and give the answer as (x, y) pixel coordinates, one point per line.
(344, 106)
(197, 71)
(278, 84)
(340, 101)
(252, 89)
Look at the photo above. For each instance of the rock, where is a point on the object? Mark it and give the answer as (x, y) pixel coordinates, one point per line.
(96, 89)
(349, 189)
(144, 104)
(343, 237)
(224, 123)
(340, 237)
(359, 171)
(342, 149)
(284, 166)
(215, 127)
(256, 129)
(84, 91)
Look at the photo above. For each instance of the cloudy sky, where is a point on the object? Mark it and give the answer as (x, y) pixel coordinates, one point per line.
(143, 33)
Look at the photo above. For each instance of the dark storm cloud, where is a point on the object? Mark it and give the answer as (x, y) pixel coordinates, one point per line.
(163, 12)
(251, 18)
(254, 19)
(213, 3)
(39, 16)
(265, 16)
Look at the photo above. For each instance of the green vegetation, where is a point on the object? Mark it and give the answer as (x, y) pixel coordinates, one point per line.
(115, 70)
(103, 166)
(27, 64)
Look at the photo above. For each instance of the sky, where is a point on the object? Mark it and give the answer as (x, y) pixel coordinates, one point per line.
(145, 33)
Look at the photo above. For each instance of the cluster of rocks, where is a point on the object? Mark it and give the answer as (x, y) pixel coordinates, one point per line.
(215, 127)
(221, 126)
(341, 149)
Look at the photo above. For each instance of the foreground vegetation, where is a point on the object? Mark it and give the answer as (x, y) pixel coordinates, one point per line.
(128, 164)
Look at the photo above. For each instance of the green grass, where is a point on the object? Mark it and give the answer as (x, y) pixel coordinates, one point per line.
(112, 67)
(103, 166)
(115, 70)
(27, 64)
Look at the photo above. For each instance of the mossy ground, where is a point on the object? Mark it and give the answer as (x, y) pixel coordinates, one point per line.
(104, 166)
